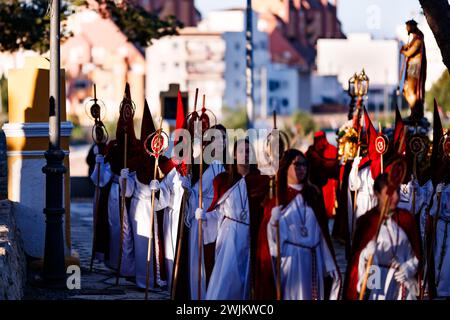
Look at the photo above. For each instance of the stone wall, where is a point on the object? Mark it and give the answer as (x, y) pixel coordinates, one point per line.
(3, 167)
(12, 256)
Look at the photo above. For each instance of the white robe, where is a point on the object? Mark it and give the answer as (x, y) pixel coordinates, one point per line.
(170, 198)
(140, 210)
(423, 195)
(297, 253)
(230, 278)
(365, 199)
(127, 265)
(392, 243)
(442, 249)
(208, 194)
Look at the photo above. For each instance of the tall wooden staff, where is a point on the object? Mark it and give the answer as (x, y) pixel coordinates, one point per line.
(282, 138)
(127, 111)
(417, 146)
(200, 221)
(157, 147)
(358, 152)
(191, 118)
(395, 178)
(99, 135)
(205, 122)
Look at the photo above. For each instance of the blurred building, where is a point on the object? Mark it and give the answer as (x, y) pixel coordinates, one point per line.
(301, 23)
(211, 57)
(379, 58)
(184, 10)
(98, 52)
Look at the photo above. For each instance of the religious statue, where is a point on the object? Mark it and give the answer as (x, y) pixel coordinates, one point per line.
(416, 70)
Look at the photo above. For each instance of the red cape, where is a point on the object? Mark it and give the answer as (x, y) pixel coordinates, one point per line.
(366, 227)
(264, 273)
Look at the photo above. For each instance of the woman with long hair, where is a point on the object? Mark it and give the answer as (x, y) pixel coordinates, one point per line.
(307, 255)
(232, 218)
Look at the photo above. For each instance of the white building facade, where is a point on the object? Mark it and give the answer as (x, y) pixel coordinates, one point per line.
(379, 58)
(212, 57)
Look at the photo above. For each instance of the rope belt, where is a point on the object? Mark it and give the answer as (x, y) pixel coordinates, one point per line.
(314, 271)
(236, 220)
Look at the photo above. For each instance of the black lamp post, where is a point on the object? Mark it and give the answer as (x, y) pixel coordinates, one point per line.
(54, 267)
(249, 66)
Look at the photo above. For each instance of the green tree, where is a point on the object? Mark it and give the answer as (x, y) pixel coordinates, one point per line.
(304, 122)
(441, 91)
(25, 23)
(234, 118)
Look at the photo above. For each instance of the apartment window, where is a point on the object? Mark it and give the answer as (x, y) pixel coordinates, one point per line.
(237, 84)
(176, 64)
(237, 46)
(236, 65)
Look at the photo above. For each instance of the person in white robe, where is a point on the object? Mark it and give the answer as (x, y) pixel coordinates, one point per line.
(191, 221)
(440, 210)
(114, 198)
(395, 251)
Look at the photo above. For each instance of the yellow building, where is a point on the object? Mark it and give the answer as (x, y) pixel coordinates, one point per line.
(27, 140)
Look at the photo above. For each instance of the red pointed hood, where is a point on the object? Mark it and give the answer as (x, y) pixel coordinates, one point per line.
(436, 155)
(180, 124)
(374, 156)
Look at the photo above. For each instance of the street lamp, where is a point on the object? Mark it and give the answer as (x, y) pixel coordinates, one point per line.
(54, 266)
(362, 84)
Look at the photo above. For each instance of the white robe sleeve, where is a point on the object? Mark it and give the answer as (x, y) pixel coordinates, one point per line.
(105, 174)
(272, 236)
(130, 184)
(354, 179)
(211, 226)
(165, 191)
(330, 266)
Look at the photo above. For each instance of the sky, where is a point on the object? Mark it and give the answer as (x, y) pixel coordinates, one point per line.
(378, 17)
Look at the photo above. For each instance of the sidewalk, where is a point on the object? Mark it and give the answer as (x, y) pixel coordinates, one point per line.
(98, 284)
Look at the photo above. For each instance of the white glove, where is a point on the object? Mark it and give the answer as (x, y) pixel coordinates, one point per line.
(402, 274)
(200, 214)
(371, 247)
(440, 187)
(185, 182)
(154, 185)
(356, 161)
(95, 150)
(275, 214)
(99, 159)
(124, 173)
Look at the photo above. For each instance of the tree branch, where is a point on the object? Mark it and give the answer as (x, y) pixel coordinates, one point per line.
(437, 13)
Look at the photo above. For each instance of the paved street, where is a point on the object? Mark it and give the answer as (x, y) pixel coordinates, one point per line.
(100, 283)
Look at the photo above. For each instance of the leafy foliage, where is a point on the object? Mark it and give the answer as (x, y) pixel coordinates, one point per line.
(235, 118)
(139, 25)
(25, 24)
(441, 91)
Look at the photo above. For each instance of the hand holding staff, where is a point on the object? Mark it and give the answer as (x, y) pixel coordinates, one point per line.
(127, 111)
(99, 135)
(158, 146)
(395, 178)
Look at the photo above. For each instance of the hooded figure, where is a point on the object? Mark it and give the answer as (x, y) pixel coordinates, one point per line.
(112, 173)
